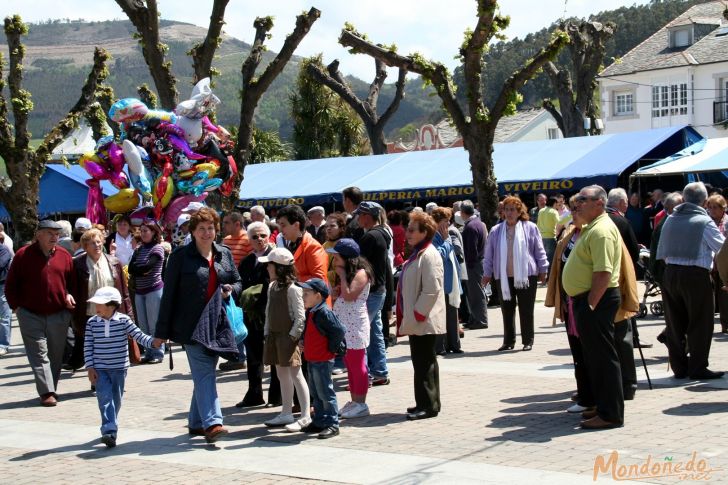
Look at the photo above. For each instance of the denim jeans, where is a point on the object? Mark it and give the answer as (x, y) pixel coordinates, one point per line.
(376, 352)
(323, 396)
(205, 406)
(5, 318)
(147, 308)
(109, 391)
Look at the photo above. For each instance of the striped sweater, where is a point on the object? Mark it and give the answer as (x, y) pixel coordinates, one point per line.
(106, 344)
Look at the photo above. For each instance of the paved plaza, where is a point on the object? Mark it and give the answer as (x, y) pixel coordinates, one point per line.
(503, 420)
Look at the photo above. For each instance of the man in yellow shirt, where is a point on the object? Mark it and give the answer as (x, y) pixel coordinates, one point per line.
(591, 278)
(548, 217)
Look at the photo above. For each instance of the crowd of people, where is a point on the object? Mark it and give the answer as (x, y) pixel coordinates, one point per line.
(326, 294)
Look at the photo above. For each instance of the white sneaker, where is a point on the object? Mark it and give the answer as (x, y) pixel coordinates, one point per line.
(576, 408)
(3, 351)
(280, 420)
(357, 410)
(296, 426)
(337, 371)
(345, 408)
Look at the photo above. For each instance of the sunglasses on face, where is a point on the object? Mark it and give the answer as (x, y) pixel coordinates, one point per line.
(258, 236)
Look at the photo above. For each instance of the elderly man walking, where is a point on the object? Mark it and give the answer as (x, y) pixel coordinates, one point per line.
(688, 243)
(39, 287)
(591, 278)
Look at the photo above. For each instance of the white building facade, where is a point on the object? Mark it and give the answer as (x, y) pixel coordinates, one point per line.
(679, 76)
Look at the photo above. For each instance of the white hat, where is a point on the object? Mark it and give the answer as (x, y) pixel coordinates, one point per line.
(83, 223)
(316, 208)
(183, 219)
(193, 207)
(106, 294)
(278, 255)
(430, 207)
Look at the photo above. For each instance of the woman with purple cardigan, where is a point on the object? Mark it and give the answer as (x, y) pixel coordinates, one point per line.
(515, 253)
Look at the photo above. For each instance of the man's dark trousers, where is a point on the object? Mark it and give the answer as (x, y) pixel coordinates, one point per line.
(596, 332)
(688, 298)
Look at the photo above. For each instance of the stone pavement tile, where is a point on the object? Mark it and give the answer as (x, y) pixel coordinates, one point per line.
(498, 408)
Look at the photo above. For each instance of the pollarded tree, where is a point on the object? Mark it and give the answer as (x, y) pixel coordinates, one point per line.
(365, 108)
(254, 86)
(144, 15)
(576, 95)
(26, 165)
(475, 122)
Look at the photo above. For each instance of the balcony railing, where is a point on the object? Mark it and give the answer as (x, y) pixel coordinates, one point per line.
(720, 112)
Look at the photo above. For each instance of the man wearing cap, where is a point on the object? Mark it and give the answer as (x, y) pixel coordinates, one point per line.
(181, 230)
(317, 217)
(374, 246)
(38, 287)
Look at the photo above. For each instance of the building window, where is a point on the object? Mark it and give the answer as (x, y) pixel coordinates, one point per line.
(669, 100)
(553, 133)
(623, 103)
(680, 38)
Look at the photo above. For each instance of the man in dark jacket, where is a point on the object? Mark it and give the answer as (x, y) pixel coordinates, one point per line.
(625, 331)
(374, 246)
(474, 237)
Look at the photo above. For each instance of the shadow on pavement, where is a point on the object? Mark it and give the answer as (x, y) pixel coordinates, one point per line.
(558, 396)
(33, 402)
(536, 427)
(31, 455)
(697, 409)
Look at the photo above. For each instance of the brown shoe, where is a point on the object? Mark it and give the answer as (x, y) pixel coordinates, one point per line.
(48, 400)
(215, 432)
(589, 413)
(598, 423)
(196, 431)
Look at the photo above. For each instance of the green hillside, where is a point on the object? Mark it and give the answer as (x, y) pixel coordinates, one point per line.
(59, 54)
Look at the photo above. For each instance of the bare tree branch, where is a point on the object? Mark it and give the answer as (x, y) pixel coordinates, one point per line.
(204, 52)
(376, 86)
(549, 106)
(145, 18)
(6, 131)
(433, 72)
(20, 99)
(252, 88)
(334, 81)
(398, 95)
(98, 74)
(105, 96)
(519, 78)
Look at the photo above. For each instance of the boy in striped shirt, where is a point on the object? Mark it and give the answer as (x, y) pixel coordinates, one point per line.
(106, 353)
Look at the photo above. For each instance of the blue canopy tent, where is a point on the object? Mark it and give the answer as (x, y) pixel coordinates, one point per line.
(520, 167)
(63, 191)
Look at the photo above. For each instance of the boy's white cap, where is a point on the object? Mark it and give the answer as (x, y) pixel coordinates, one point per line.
(106, 294)
(183, 219)
(193, 207)
(278, 255)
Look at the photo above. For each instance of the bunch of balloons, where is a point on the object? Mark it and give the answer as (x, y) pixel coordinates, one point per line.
(171, 159)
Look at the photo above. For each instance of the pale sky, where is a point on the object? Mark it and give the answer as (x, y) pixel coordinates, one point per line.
(432, 27)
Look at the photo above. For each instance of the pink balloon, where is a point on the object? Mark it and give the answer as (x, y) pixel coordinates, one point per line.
(96, 171)
(119, 180)
(95, 210)
(116, 157)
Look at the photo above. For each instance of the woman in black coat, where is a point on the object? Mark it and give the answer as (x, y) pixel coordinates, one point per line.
(194, 274)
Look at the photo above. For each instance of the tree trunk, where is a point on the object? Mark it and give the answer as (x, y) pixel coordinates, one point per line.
(375, 132)
(480, 155)
(21, 200)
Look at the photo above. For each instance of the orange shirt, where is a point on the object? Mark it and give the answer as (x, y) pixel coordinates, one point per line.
(239, 246)
(311, 261)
